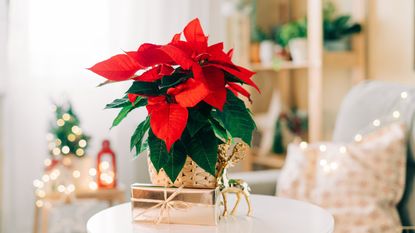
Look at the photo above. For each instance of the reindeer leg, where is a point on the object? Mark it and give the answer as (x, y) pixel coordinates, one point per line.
(225, 204)
(248, 202)
(238, 199)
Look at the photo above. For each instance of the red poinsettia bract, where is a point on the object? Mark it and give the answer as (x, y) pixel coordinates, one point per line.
(200, 73)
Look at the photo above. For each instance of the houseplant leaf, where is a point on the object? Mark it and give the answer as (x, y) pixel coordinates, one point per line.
(139, 102)
(196, 121)
(137, 137)
(176, 160)
(144, 88)
(218, 129)
(118, 103)
(237, 118)
(158, 151)
(203, 149)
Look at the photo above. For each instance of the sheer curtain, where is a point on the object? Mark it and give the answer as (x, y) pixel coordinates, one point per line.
(50, 44)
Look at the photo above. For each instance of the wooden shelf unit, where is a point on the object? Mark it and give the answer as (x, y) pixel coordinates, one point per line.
(354, 60)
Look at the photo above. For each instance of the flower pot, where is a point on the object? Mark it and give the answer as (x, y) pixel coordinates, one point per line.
(266, 52)
(337, 45)
(298, 49)
(191, 176)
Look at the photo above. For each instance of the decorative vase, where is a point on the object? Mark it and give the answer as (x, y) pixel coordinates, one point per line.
(298, 49)
(342, 44)
(191, 176)
(266, 52)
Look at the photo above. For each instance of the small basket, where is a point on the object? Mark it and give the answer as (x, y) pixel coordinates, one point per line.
(191, 176)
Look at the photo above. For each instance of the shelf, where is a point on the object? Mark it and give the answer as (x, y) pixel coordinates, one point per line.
(271, 160)
(339, 59)
(331, 59)
(285, 65)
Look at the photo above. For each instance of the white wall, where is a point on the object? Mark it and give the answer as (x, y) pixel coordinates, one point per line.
(3, 36)
(391, 41)
(51, 42)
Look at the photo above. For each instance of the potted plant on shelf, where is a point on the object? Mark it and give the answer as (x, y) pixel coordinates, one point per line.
(190, 91)
(337, 29)
(293, 35)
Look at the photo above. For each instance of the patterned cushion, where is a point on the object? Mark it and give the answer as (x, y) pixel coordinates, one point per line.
(359, 183)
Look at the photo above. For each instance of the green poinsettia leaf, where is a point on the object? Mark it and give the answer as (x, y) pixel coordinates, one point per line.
(158, 151)
(121, 115)
(173, 80)
(137, 137)
(144, 88)
(143, 147)
(196, 121)
(237, 118)
(176, 161)
(203, 149)
(118, 103)
(139, 102)
(232, 78)
(219, 129)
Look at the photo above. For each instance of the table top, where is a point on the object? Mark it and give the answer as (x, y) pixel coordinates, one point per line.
(270, 214)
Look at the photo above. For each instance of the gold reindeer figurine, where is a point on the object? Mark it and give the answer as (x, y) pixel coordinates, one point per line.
(236, 186)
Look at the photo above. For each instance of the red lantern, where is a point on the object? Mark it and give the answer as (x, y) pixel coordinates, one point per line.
(106, 167)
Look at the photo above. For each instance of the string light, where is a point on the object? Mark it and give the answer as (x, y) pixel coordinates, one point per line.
(82, 143)
(404, 95)
(76, 174)
(55, 174)
(58, 142)
(65, 149)
(66, 117)
(92, 172)
(39, 203)
(358, 137)
(303, 145)
(323, 148)
(396, 114)
(80, 152)
(323, 162)
(61, 188)
(37, 183)
(343, 149)
(104, 165)
(93, 185)
(45, 178)
(47, 162)
(56, 151)
(376, 123)
(40, 193)
(76, 130)
(71, 137)
(70, 188)
(60, 122)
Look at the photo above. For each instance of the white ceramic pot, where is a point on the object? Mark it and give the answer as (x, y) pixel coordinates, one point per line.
(266, 52)
(298, 50)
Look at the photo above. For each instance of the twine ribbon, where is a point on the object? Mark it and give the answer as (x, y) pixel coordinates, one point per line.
(164, 205)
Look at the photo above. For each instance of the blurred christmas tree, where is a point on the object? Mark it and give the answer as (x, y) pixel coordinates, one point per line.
(66, 136)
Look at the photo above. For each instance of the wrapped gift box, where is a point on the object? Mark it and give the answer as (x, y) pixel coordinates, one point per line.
(157, 204)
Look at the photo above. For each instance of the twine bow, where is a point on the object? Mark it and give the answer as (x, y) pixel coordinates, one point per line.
(164, 205)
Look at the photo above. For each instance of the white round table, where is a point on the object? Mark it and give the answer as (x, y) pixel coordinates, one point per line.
(270, 214)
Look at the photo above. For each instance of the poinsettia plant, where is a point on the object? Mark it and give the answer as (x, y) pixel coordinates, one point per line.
(190, 90)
